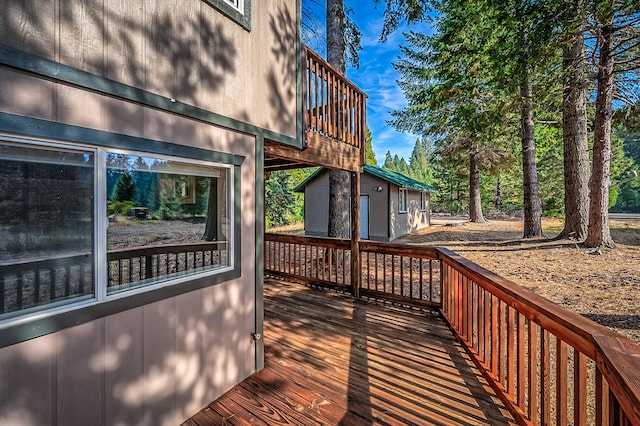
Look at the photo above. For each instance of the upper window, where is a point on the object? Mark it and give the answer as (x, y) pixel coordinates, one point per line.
(236, 4)
(423, 201)
(82, 225)
(403, 201)
(238, 10)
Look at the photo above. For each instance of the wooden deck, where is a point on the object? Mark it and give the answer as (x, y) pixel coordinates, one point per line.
(331, 359)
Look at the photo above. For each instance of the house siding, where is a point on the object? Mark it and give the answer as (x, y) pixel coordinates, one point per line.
(183, 50)
(161, 362)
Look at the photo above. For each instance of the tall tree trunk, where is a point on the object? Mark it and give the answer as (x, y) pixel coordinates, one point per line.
(532, 205)
(576, 155)
(475, 202)
(339, 186)
(211, 224)
(598, 231)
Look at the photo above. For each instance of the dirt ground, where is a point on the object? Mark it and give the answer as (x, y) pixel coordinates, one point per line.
(603, 285)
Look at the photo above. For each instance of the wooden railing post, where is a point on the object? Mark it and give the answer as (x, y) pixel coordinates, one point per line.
(356, 269)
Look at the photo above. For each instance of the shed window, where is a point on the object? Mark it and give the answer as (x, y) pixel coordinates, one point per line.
(80, 225)
(403, 201)
(423, 201)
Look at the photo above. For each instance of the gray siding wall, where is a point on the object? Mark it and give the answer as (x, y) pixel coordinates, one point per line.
(160, 363)
(180, 49)
(316, 206)
(413, 219)
(378, 202)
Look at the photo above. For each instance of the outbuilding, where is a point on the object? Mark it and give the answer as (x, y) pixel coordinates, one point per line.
(391, 204)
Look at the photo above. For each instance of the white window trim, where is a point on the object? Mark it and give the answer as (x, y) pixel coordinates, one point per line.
(236, 4)
(100, 235)
(423, 201)
(403, 200)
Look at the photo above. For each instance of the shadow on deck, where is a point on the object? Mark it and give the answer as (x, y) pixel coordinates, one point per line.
(333, 359)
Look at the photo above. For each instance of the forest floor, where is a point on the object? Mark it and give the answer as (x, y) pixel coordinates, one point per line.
(603, 285)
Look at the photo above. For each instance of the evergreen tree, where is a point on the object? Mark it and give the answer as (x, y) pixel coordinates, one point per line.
(419, 168)
(388, 162)
(617, 29)
(279, 199)
(125, 188)
(370, 157)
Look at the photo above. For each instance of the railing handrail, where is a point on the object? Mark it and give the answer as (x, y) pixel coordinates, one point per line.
(617, 357)
(399, 249)
(330, 242)
(125, 253)
(330, 67)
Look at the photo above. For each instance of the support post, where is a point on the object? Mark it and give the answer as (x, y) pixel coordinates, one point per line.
(356, 269)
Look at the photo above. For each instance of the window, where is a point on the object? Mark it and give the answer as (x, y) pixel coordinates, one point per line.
(403, 200)
(236, 4)
(237, 10)
(84, 225)
(166, 218)
(47, 218)
(423, 201)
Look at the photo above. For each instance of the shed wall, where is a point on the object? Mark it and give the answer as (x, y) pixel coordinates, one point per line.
(411, 221)
(385, 222)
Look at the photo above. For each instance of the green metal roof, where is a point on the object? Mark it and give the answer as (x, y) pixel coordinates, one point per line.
(390, 176)
(398, 179)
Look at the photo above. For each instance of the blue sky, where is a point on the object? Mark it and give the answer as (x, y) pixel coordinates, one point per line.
(377, 77)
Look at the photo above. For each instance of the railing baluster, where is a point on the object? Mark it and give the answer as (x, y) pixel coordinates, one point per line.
(511, 352)
(521, 350)
(561, 382)
(533, 371)
(579, 389)
(545, 368)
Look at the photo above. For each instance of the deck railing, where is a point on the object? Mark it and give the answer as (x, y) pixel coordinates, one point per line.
(334, 107)
(547, 364)
(130, 265)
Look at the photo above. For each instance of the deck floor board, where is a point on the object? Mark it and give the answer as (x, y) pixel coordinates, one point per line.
(331, 359)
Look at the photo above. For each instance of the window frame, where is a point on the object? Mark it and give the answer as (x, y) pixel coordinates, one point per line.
(423, 201)
(39, 320)
(241, 15)
(403, 200)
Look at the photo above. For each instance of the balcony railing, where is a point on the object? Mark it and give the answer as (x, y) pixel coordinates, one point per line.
(547, 364)
(334, 107)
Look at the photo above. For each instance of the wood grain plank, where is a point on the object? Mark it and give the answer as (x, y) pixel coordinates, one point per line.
(332, 360)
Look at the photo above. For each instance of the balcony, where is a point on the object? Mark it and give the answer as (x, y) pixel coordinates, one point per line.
(432, 339)
(334, 122)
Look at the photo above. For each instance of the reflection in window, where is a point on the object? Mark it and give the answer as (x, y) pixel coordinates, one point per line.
(166, 218)
(46, 226)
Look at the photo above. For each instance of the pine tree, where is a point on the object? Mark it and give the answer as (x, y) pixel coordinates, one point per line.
(125, 188)
(388, 161)
(279, 198)
(370, 157)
